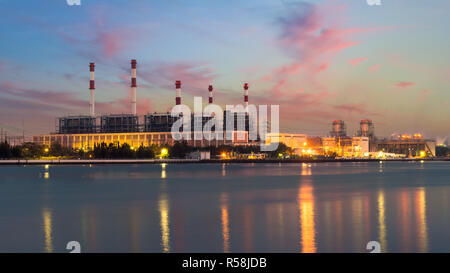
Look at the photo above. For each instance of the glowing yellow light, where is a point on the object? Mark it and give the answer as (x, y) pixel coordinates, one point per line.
(280, 155)
(423, 153)
(46, 150)
(223, 154)
(304, 143)
(132, 148)
(164, 152)
(47, 215)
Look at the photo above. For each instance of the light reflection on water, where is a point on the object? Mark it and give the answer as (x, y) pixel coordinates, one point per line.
(225, 222)
(307, 225)
(47, 228)
(163, 205)
(310, 208)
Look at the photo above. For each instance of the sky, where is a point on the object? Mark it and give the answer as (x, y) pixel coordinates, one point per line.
(318, 60)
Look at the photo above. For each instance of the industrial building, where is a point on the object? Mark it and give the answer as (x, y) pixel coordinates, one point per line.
(366, 144)
(411, 146)
(84, 132)
(297, 142)
(346, 146)
(363, 145)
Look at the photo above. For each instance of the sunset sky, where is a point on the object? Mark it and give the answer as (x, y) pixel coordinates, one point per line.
(318, 60)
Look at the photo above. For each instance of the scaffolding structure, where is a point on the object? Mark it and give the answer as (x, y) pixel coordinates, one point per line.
(77, 125)
(338, 129)
(125, 123)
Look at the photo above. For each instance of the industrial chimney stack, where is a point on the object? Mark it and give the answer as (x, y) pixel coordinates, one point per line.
(210, 89)
(92, 89)
(133, 86)
(246, 95)
(178, 87)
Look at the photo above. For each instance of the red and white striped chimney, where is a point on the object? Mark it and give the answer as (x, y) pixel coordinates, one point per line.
(133, 86)
(210, 89)
(178, 87)
(92, 89)
(246, 95)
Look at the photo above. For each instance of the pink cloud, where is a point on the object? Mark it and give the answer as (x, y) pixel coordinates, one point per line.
(93, 38)
(355, 108)
(111, 42)
(374, 68)
(123, 105)
(356, 61)
(422, 96)
(312, 35)
(48, 102)
(405, 84)
(195, 77)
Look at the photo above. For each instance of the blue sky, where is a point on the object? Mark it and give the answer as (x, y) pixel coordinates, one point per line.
(319, 60)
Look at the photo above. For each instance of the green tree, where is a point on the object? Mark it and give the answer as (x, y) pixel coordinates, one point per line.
(145, 152)
(5, 150)
(56, 149)
(281, 149)
(179, 150)
(32, 150)
(442, 151)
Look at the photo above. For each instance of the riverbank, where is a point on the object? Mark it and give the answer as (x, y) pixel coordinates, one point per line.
(180, 161)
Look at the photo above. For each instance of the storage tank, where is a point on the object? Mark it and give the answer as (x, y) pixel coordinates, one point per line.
(338, 129)
(366, 128)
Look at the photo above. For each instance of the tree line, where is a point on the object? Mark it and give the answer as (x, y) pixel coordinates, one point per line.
(180, 149)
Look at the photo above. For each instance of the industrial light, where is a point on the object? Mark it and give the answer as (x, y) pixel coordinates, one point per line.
(164, 152)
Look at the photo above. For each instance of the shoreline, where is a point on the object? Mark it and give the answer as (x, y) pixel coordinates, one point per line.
(192, 161)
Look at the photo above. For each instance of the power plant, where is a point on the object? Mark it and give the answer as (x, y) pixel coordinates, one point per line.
(84, 132)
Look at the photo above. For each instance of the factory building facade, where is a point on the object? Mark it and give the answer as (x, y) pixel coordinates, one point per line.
(84, 132)
(346, 146)
(417, 147)
(363, 145)
(88, 141)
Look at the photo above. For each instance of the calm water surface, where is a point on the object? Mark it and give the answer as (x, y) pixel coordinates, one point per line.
(327, 207)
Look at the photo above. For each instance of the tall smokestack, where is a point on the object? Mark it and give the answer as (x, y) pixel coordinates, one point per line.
(92, 89)
(133, 86)
(246, 95)
(210, 89)
(178, 87)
